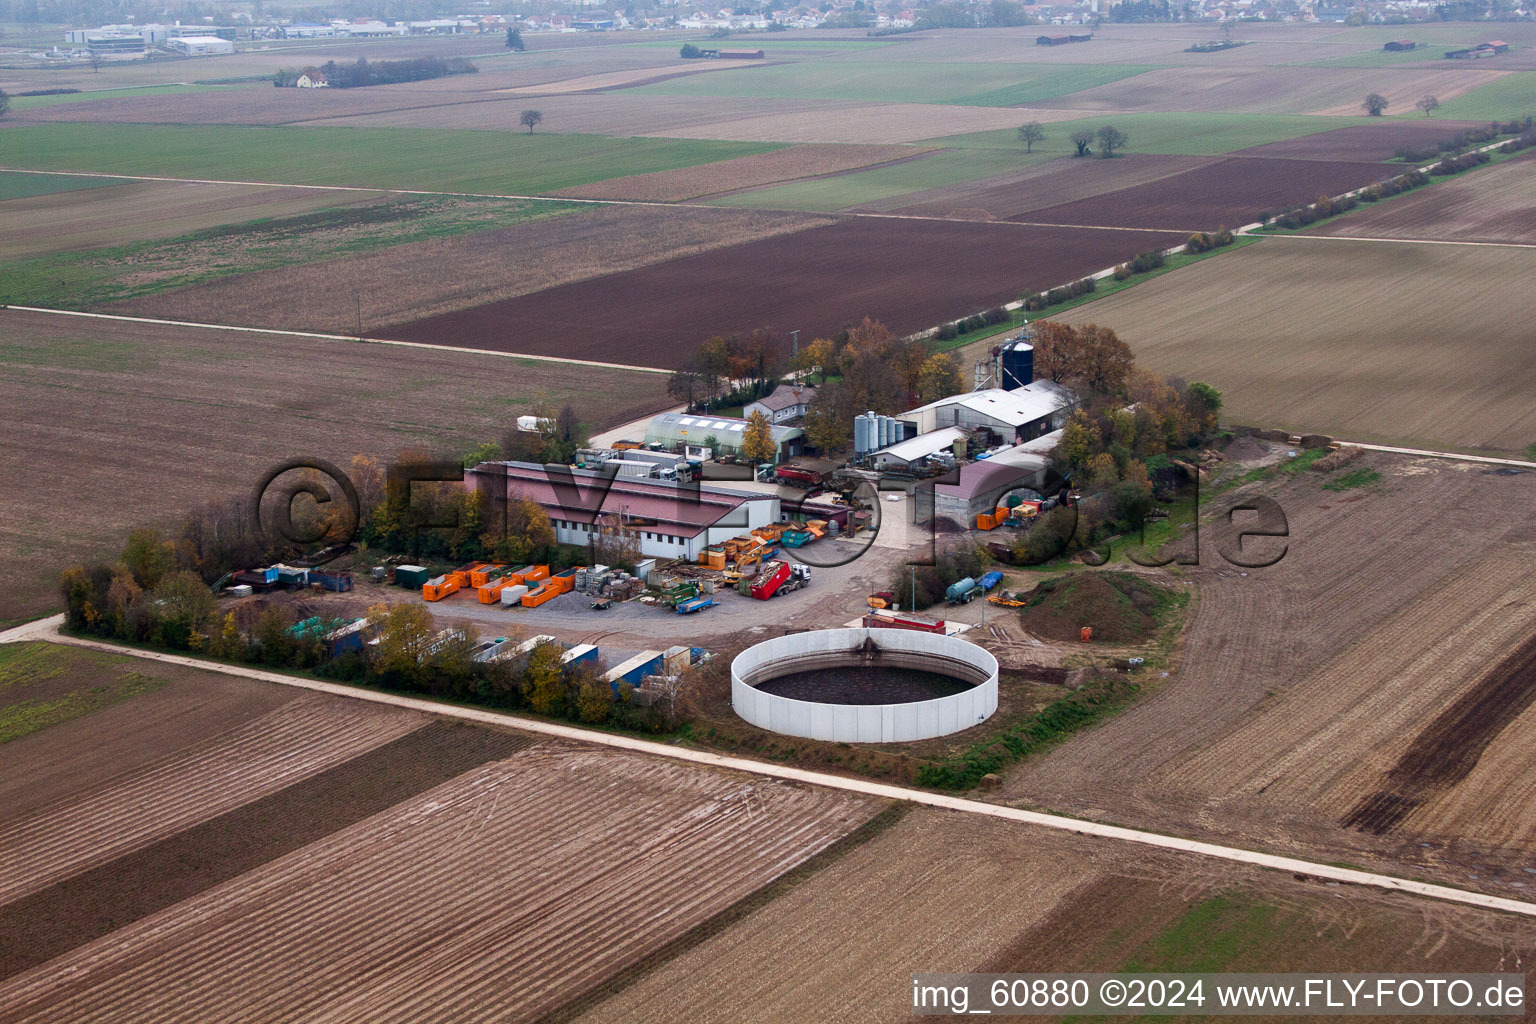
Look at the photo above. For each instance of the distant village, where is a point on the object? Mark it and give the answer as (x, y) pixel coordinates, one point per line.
(201, 37)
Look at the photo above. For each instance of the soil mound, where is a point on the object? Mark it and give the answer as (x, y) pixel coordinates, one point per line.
(1120, 607)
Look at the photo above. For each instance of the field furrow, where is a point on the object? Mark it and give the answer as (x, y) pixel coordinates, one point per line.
(299, 739)
(369, 923)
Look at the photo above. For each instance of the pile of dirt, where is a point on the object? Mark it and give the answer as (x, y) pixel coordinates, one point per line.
(1247, 449)
(1120, 607)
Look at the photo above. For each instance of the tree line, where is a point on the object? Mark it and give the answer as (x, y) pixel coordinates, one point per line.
(383, 72)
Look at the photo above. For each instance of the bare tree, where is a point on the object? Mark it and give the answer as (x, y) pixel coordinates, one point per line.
(1030, 134)
(1111, 139)
(95, 59)
(1083, 140)
(530, 118)
(1429, 104)
(1375, 104)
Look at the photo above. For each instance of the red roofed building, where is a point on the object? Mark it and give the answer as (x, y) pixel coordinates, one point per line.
(672, 520)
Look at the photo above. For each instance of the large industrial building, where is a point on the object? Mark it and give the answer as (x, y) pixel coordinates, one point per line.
(670, 521)
(1017, 415)
(673, 430)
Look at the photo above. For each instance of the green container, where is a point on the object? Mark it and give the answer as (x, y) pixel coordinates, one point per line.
(412, 576)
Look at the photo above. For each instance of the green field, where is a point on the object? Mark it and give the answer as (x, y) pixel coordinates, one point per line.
(1173, 134)
(21, 186)
(1504, 98)
(30, 102)
(45, 684)
(84, 279)
(413, 158)
(985, 84)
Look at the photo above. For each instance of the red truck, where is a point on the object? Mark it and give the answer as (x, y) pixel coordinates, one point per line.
(797, 477)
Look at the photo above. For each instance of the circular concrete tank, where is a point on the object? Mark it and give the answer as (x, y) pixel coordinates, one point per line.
(864, 685)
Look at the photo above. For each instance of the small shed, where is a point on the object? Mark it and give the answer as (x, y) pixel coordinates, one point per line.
(1052, 40)
(741, 54)
(1400, 45)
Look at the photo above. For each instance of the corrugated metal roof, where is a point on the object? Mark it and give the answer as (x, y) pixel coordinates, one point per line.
(1034, 401)
(923, 444)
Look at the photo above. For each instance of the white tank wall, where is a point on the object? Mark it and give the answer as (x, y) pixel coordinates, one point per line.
(865, 723)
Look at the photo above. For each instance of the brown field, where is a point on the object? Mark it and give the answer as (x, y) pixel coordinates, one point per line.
(1159, 44)
(941, 892)
(72, 759)
(1363, 142)
(1227, 193)
(771, 168)
(818, 281)
(1250, 88)
(115, 425)
(443, 275)
(143, 210)
(1039, 186)
(1388, 342)
(499, 896)
(864, 123)
(302, 737)
(1496, 204)
(1302, 685)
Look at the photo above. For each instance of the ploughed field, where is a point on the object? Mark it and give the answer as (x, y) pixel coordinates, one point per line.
(1370, 694)
(378, 863)
(1496, 204)
(117, 425)
(817, 281)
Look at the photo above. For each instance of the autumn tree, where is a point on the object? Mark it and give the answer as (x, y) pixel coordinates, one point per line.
(829, 418)
(148, 556)
(543, 686)
(1031, 133)
(1083, 140)
(819, 357)
(1375, 104)
(1104, 360)
(405, 634)
(757, 439)
(594, 700)
(684, 386)
(940, 378)
(1055, 350)
(1079, 439)
(525, 529)
(1110, 139)
(713, 363)
(529, 118)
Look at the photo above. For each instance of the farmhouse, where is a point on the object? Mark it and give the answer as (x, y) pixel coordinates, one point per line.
(1400, 45)
(1022, 414)
(672, 430)
(669, 521)
(1491, 48)
(1061, 40)
(741, 54)
(312, 78)
(788, 401)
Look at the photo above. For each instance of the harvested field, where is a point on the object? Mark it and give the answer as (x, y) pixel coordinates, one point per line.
(15, 185)
(1496, 204)
(302, 737)
(413, 280)
(1347, 338)
(154, 420)
(944, 892)
(646, 850)
(73, 758)
(1227, 193)
(744, 172)
(92, 903)
(243, 106)
(38, 691)
(1364, 634)
(1245, 87)
(1040, 186)
(868, 124)
(818, 280)
(1363, 142)
(146, 210)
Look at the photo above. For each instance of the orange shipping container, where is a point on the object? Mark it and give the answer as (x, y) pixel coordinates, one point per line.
(984, 521)
(436, 590)
(481, 576)
(537, 597)
(535, 573)
(491, 592)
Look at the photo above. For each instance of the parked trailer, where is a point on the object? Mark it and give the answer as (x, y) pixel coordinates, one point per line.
(962, 592)
(794, 476)
(634, 671)
(695, 604)
(581, 654)
(989, 580)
